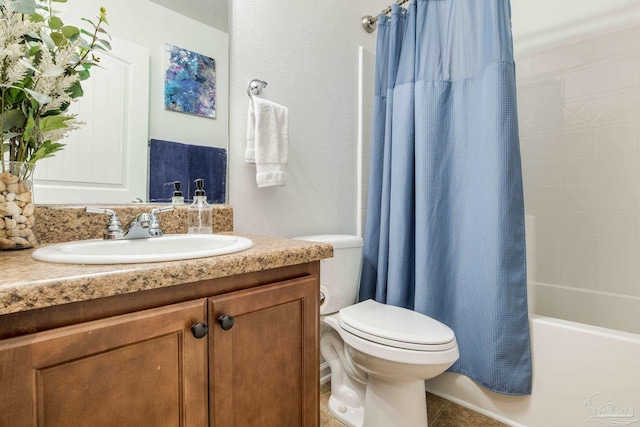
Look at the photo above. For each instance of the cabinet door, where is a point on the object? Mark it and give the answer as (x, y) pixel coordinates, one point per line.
(264, 370)
(138, 369)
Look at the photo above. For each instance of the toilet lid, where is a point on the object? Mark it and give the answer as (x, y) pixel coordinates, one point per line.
(396, 326)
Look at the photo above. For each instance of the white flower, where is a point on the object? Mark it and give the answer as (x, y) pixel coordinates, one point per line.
(40, 69)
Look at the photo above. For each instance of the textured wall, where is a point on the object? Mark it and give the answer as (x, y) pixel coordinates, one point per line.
(307, 51)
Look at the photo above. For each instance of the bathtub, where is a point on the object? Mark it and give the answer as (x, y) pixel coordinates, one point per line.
(583, 375)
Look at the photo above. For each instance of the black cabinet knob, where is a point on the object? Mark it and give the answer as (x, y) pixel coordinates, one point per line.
(226, 322)
(199, 330)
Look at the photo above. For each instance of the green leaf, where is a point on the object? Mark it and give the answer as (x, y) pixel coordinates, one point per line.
(28, 64)
(89, 21)
(83, 75)
(47, 39)
(55, 23)
(76, 90)
(36, 17)
(8, 135)
(46, 150)
(103, 15)
(14, 96)
(53, 122)
(33, 50)
(14, 119)
(29, 127)
(40, 97)
(58, 39)
(105, 43)
(27, 7)
(69, 31)
(59, 1)
(83, 44)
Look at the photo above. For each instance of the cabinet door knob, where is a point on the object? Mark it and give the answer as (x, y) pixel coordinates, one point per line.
(199, 330)
(226, 322)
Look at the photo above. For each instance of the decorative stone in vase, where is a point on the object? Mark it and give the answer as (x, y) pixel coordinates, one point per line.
(16, 206)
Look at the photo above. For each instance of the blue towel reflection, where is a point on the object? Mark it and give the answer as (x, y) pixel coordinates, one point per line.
(173, 161)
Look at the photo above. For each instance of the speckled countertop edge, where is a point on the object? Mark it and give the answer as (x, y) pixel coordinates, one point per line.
(26, 284)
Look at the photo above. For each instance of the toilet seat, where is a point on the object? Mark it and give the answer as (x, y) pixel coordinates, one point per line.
(396, 327)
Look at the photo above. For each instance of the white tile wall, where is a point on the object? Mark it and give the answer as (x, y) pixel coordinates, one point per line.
(579, 113)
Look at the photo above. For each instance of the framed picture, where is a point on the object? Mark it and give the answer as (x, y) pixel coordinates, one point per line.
(189, 82)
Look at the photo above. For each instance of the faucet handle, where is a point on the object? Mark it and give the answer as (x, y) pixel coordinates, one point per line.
(91, 209)
(156, 211)
(114, 227)
(155, 230)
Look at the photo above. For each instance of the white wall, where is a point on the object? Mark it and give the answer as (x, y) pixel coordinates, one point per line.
(150, 25)
(307, 51)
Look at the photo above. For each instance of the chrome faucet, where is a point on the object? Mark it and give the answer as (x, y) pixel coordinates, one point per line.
(142, 226)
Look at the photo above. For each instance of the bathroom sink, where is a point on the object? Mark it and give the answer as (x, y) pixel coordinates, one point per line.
(170, 247)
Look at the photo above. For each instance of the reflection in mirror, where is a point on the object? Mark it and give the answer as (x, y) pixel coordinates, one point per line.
(107, 159)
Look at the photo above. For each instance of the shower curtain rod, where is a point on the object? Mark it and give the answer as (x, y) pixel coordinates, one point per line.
(369, 23)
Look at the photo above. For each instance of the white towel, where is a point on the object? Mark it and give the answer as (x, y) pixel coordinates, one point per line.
(268, 141)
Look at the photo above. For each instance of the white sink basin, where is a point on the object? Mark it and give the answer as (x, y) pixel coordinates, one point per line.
(170, 247)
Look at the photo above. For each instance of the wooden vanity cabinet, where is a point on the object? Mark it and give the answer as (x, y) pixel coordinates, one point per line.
(263, 367)
(147, 368)
(138, 369)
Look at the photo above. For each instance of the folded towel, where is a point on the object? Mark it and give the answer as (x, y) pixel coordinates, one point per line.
(210, 164)
(168, 162)
(268, 141)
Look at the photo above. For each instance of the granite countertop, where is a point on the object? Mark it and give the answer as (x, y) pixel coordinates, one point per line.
(26, 284)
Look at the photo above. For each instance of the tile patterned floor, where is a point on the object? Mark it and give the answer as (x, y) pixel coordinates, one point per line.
(441, 413)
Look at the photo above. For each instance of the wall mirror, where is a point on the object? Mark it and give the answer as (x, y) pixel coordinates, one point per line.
(107, 159)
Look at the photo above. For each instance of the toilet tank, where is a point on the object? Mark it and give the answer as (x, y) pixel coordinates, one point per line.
(340, 275)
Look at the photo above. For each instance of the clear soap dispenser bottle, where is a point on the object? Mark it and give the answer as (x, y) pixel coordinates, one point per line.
(177, 198)
(200, 213)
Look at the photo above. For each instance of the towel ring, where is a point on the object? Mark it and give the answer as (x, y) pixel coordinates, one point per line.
(255, 87)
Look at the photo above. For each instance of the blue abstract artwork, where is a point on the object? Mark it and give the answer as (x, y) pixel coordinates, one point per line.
(189, 82)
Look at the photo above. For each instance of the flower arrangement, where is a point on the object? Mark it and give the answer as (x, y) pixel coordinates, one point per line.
(42, 64)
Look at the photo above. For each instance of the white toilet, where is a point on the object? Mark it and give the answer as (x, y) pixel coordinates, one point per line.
(379, 354)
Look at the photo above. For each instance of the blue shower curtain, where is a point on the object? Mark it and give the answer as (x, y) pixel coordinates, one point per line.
(445, 218)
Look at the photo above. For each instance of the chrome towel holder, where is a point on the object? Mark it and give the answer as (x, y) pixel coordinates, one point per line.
(255, 87)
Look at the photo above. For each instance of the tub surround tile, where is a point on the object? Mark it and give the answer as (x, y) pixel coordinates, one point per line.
(26, 284)
(584, 138)
(65, 223)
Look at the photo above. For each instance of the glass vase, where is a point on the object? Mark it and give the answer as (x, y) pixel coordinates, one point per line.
(17, 208)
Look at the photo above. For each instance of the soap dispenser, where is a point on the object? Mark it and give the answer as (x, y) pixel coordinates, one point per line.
(178, 198)
(200, 213)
